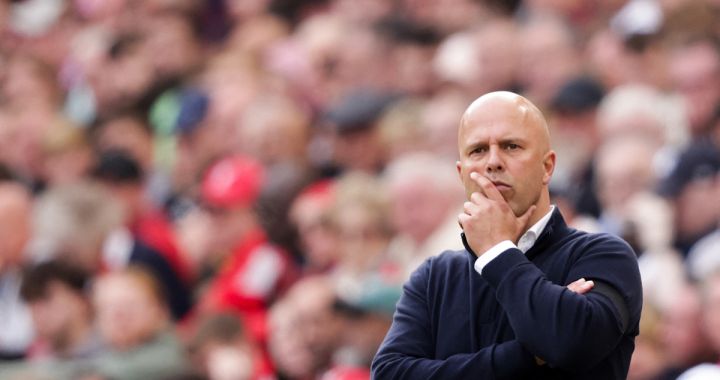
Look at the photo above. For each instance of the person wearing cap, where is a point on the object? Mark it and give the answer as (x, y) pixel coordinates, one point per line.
(692, 187)
(353, 121)
(252, 271)
(528, 297)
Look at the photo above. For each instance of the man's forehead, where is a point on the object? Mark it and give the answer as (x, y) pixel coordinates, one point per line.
(510, 111)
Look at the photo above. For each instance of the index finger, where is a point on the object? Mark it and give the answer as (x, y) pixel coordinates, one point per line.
(491, 192)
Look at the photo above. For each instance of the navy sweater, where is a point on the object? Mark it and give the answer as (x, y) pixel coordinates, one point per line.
(452, 323)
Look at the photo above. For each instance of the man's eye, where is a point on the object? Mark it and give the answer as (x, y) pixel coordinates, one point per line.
(512, 146)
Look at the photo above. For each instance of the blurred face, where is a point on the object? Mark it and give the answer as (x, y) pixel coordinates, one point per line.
(682, 335)
(359, 150)
(696, 207)
(229, 226)
(127, 314)
(711, 311)
(318, 324)
(54, 314)
(223, 361)
(292, 357)
(695, 71)
(361, 239)
(129, 135)
(504, 140)
(623, 172)
(317, 235)
(418, 209)
(14, 224)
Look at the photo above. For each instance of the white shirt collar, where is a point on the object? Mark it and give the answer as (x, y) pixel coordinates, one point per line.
(528, 239)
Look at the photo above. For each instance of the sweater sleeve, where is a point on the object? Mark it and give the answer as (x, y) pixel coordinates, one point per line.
(568, 330)
(408, 349)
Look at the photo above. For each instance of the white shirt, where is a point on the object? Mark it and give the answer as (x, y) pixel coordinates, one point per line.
(527, 240)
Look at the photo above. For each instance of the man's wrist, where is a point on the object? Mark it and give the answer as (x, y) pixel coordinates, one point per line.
(487, 256)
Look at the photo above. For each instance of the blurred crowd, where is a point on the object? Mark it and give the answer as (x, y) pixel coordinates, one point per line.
(237, 189)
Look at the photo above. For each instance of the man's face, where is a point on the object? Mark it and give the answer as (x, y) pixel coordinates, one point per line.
(126, 313)
(53, 314)
(502, 141)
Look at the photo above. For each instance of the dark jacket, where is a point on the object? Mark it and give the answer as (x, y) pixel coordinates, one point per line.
(452, 323)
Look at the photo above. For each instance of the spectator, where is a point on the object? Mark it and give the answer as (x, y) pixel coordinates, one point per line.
(249, 272)
(134, 321)
(221, 349)
(684, 342)
(66, 154)
(710, 295)
(692, 187)
(15, 232)
(124, 179)
(56, 293)
(424, 193)
(310, 213)
(310, 326)
(353, 118)
(695, 72)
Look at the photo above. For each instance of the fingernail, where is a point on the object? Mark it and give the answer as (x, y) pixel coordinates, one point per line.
(473, 175)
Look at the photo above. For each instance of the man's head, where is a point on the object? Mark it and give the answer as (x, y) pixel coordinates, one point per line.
(229, 191)
(695, 71)
(55, 292)
(221, 349)
(505, 138)
(15, 210)
(130, 307)
(423, 192)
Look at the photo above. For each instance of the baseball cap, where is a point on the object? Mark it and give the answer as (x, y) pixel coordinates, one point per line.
(358, 109)
(700, 160)
(578, 95)
(232, 181)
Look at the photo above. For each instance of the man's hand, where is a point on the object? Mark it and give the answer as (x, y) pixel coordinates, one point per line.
(580, 286)
(488, 218)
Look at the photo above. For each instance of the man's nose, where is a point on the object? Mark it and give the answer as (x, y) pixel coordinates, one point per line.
(494, 162)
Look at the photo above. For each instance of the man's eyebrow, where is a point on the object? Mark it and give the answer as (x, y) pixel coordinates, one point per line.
(475, 144)
(512, 140)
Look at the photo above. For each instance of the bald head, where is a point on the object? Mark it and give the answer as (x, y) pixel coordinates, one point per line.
(513, 108)
(15, 209)
(505, 138)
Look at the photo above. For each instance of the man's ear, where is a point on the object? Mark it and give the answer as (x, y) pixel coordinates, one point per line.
(548, 166)
(458, 166)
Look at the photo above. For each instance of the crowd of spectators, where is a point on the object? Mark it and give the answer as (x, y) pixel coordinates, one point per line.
(237, 189)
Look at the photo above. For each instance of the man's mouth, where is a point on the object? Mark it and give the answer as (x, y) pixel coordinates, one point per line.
(501, 186)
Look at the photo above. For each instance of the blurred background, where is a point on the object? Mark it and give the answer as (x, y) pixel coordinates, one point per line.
(237, 189)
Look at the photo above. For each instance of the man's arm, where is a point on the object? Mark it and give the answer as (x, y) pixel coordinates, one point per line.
(408, 350)
(567, 330)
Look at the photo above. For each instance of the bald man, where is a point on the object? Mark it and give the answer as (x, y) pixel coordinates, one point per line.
(502, 308)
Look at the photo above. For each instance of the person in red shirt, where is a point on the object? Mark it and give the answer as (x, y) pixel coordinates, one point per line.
(251, 272)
